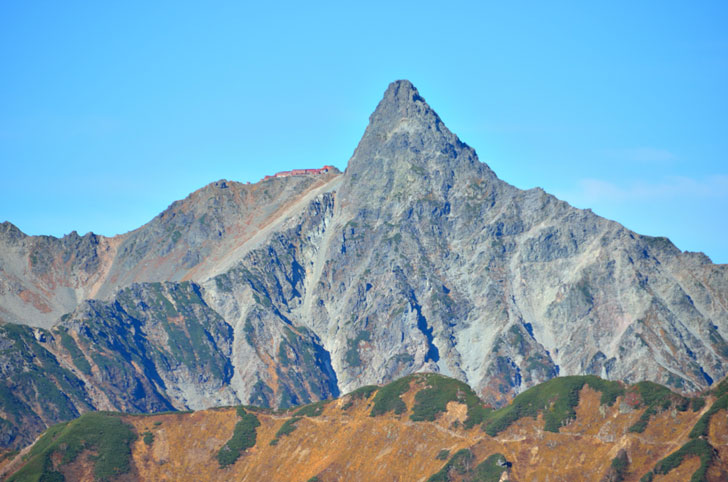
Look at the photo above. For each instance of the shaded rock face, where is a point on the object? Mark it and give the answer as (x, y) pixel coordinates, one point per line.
(416, 258)
(279, 360)
(157, 347)
(37, 390)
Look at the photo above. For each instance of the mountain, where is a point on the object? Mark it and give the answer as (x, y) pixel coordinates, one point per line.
(42, 277)
(299, 288)
(421, 427)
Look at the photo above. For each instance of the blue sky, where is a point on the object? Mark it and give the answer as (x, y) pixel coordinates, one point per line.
(108, 113)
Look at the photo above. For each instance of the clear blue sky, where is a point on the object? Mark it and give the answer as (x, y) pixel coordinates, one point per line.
(108, 113)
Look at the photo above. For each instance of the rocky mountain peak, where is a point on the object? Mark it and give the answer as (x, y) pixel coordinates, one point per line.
(406, 148)
(10, 232)
(402, 111)
(401, 101)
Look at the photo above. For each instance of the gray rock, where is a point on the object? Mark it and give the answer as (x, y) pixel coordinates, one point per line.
(427, 261)
(417, 258)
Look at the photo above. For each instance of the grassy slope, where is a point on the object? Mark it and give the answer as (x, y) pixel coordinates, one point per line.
(103, 434)
(352, 426)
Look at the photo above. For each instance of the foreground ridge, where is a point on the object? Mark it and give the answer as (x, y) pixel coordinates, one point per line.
(422, 425)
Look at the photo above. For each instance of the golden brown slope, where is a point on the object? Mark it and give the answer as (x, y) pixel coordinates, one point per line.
(341, 440)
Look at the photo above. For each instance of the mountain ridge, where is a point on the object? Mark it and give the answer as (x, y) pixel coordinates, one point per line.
(40, 288)
(421, 427)
(416, 258)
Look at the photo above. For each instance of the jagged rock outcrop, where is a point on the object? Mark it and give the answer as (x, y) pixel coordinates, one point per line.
(416, 258)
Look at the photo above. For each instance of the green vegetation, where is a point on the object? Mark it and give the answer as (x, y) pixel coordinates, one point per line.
(388, 398)
(287, 428)
(265, 301)
(352, 354)
(721, 389)
(702, 425)
(311, 410)
(10, 403)
(418, 170)
(361, 393)
(396, 237)
(430, 400)
(461, 462)
(244, 437)
(283, 354)
(261, 394)
(402, 359)
(619, 466)
(556, 398)
(697, 404)
(656, 398)
(443, 454)
(148, 437)
(77, 357)
(35, 370)
(719, 344)
(253, 408)
(696, 447)
(249, 332)
(398, 311)
(103, 433)
(440, 390)
(190, 345)
(477, 414)
(654, 394)
(302, 368)
(157, 423)
(9, 455)
(489, 470)
(191, 331)
(49, 436)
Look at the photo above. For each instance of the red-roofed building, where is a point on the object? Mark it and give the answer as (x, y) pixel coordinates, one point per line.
(300, 172)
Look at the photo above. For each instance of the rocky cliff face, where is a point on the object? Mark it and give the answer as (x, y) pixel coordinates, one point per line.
(416, 258)
(157, 347)
(424, 259)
